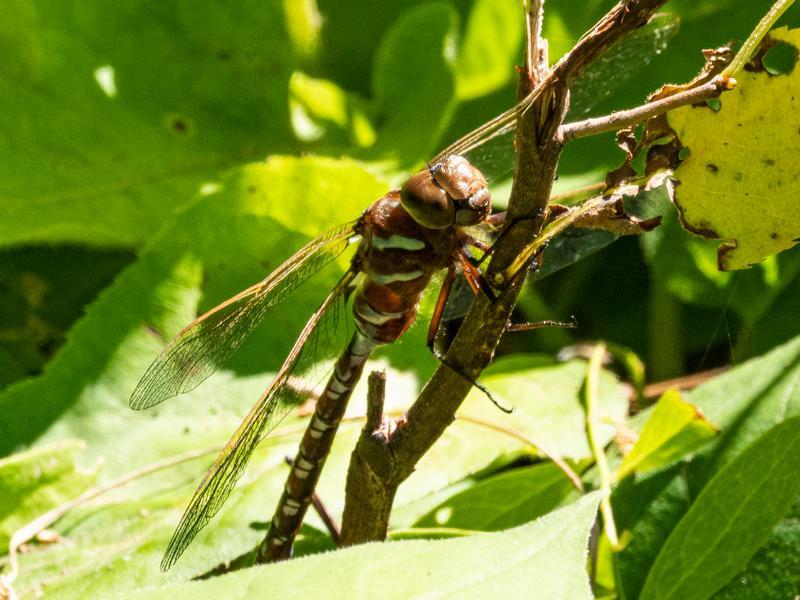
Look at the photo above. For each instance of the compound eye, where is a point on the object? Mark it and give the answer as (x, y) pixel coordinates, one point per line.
(426, 202)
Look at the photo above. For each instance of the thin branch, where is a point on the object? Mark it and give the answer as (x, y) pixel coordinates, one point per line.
(754, 39)
(623, 118)
(28, 531)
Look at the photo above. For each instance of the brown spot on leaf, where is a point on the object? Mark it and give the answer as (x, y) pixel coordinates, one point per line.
(768, 161)
(179, 125)
(712, 168)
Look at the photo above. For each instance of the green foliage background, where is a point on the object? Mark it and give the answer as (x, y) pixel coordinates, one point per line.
(236, 131)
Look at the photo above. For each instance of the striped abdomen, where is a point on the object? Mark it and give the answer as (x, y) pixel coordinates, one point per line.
(398, 258)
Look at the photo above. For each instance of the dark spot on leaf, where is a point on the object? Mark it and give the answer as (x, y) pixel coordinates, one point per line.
(179, 125)
(252, 189)
(223, 55)
(737, 176)
(768, 161)
(712, 168)
(186, 430)
(773, 235)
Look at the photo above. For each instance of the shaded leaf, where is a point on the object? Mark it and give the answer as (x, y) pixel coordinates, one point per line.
(413, 123)
(731, 519)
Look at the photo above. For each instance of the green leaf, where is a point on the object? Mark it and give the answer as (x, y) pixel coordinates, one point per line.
(113, 116)
(224, 243)
(731, 519)
(502, 501)
(735, 184)
(774, 571)
(744, 404)
(546, 398)
(491, 46)
(321, 110)
(674, 429)
(414, 122)
(35, 481)
(547, 555)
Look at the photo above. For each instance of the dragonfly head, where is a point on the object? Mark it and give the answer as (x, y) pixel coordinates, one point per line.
(451, 192)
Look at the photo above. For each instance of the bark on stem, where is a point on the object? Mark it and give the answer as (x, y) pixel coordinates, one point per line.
(623, 118)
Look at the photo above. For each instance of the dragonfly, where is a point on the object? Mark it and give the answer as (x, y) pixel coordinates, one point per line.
(403, 240)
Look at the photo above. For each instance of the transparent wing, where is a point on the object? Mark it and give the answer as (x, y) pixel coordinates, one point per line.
(490, 147)
(206, 343)
(322, 334)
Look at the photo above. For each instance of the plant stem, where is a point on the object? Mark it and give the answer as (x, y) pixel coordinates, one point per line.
(623, 118)
(754, 39)
(591, 397)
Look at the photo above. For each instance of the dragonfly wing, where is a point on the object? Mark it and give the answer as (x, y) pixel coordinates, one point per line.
(274, 405)
(204, 345)
(490, 147)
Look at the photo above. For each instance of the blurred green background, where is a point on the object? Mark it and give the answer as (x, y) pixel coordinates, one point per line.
(156, 158)
(87, 180)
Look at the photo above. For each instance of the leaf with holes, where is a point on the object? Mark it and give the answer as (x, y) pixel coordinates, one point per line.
(739, 181)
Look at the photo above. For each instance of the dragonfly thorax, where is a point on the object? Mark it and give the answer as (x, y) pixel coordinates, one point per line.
(451, 192)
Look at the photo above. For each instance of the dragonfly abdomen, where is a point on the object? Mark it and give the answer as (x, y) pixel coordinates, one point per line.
(398, 258)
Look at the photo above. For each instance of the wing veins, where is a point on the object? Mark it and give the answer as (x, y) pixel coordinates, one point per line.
(219, 481)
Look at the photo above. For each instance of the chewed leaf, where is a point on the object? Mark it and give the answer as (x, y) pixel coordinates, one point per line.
(739, 181)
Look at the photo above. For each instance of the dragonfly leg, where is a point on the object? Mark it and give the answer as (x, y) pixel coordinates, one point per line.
(514, 327)
(477, 282)
(471, 380)
(441, 302)
(314, 449)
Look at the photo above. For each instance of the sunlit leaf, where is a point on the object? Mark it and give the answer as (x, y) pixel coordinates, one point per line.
(113, 116)
(674, 429)
(547, 555)
(35, 481)
(737, 183)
